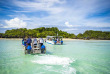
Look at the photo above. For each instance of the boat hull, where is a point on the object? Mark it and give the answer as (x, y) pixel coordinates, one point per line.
(52, 42)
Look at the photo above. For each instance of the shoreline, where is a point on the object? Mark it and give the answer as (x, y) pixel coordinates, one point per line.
(45, 38)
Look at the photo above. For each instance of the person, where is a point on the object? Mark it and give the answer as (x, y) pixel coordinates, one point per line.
(45, 40)
(57, 40)
(29, 41)
(42, 48)
(35, 41)
(41, 41)
(23, 41)
(29, 48)
(61, 41)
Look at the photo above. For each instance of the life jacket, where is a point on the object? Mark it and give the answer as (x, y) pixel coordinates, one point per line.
(29, 47)
(42, 47)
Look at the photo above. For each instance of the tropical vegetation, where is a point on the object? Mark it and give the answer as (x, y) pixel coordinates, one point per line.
(94, 35)
(53, 31)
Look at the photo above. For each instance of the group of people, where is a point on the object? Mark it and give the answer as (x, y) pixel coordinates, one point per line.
(27, 43)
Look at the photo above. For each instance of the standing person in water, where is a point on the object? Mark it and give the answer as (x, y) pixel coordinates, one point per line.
(29, 41)
(41, 41)
(35, 41)
(42, 49)
(57, 40)
(28, 45)
(23, 41)
(29, 49)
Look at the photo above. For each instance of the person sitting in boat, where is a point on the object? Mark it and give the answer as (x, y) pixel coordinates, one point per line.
(42, 49)
(41, 41)
(29, 48)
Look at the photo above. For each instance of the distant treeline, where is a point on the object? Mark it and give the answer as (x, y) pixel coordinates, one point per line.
(37, 32)
(42, 31)
(90, 34)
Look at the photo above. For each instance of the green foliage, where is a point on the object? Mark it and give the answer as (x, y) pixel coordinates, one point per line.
(53, 31)
(37, 32)
(2, 35)
(94, 35)
(16, 33)
(80, 36)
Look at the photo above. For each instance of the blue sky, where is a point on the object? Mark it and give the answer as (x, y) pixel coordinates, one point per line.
(73, 16)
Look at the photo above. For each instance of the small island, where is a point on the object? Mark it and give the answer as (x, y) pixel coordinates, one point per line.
(53, 31)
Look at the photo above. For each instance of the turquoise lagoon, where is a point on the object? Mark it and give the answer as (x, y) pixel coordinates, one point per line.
(74, 57)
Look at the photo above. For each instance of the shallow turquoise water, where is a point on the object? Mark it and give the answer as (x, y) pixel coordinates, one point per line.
(74, 57)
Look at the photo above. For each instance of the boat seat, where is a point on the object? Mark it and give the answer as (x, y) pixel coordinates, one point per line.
(36, 48)
(35, 45)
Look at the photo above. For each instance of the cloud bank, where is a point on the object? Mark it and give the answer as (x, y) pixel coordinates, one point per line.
(15, 23)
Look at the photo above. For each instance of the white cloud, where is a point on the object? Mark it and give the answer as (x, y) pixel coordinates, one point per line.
(97, 24)
(68, 25)
(21, 16)
(15, 23)
(70, 29)
(43, 5)
(1, 24)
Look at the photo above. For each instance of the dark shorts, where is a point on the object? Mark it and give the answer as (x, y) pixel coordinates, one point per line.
(29, 43)
(28, 51)
(42, 50)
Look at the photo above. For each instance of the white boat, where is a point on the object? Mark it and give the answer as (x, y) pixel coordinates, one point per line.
(54, 40)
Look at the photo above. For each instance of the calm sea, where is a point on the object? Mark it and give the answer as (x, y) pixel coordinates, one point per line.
(74, 57)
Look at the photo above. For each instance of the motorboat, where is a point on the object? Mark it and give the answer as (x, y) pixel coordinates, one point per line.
(55, 40)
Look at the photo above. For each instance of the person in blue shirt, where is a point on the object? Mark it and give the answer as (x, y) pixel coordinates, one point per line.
(29, 41)
(29, 48)
(42, 48)
(61, 41)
